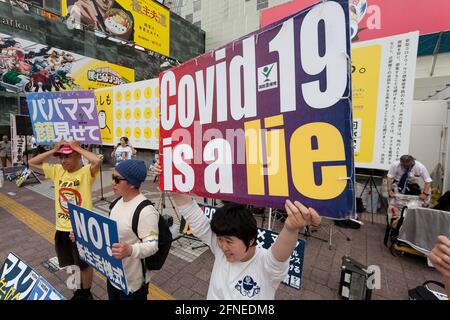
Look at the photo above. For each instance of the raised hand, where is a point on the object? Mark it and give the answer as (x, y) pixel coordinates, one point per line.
(300, 216)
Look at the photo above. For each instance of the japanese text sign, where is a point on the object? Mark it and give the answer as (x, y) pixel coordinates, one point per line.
(95, 234)
(265, 118)
(59, 116)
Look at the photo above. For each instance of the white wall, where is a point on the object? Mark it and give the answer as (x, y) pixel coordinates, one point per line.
(428, 133)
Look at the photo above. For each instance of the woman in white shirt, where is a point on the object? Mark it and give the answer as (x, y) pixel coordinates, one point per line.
(123, 151)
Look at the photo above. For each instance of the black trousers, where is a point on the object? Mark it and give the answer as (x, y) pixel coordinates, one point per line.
(116, 294)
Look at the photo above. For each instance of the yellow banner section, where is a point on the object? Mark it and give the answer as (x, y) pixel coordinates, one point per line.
(151, 24)
(366, 63)
(95, 74)
(105, 109)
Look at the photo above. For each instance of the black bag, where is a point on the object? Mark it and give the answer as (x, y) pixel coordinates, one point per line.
(156, 261)
(423, 293)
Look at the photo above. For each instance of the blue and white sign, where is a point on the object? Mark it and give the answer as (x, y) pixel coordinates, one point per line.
(95, 234)
(266, 238)
(64, 115)
(18, 281)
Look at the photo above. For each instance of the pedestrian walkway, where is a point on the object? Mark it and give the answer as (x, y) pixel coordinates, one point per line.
(27, 228)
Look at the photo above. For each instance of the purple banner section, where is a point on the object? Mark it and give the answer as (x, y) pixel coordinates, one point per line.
(68, 115)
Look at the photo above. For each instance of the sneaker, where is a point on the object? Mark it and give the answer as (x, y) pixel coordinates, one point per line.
(82, 295)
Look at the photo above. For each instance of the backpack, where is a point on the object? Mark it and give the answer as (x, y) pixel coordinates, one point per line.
(156, 261)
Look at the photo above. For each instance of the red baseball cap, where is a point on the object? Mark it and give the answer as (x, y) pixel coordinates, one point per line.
(64, 149)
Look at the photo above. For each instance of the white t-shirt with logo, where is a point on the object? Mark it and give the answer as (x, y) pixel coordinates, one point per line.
(256, 279)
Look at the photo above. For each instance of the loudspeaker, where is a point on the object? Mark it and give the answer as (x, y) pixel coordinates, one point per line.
(23, 125)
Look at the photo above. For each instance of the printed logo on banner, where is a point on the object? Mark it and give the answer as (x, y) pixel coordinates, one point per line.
(268, 77)
(17, 280)
(225, 135)
(59, 116)
(95, 234)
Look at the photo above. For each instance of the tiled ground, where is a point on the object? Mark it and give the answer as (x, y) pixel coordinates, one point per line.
(186, 272)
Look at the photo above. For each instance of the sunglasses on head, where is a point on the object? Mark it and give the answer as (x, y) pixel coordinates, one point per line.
(117, 179)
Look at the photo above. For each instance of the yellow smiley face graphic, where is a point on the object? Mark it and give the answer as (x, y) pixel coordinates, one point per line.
(147, 133)
(137, 132)
(127, 95)
(118, 114)
(119, 96)
(157, 133)
(137, 94)
(147, 113)
(137, 113)
(118, 132)
(157, 113)
(127, 114)
(127, 132)
(148, 93)
(157, 91)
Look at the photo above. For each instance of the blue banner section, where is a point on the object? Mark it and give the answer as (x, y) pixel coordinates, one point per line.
(65, 115)
(266, 238)
(18, 281)
(95, 234)
(44, 291)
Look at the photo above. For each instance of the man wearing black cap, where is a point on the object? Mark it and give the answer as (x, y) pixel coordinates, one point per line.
(127, 178)
(72, 183)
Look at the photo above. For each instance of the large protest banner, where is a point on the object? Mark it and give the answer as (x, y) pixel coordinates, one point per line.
(64, 115)
(18, 281)
(136, 113)
(265, 118)
(383, 87)
(95, 234)
(27, 66)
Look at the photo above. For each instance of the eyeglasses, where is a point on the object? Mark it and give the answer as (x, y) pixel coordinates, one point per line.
(117, 179)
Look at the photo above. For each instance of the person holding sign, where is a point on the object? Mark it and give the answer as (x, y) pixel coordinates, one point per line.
(402, 178)
(72, 183)
(127, 178)
(123, 151)
(242, 270)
